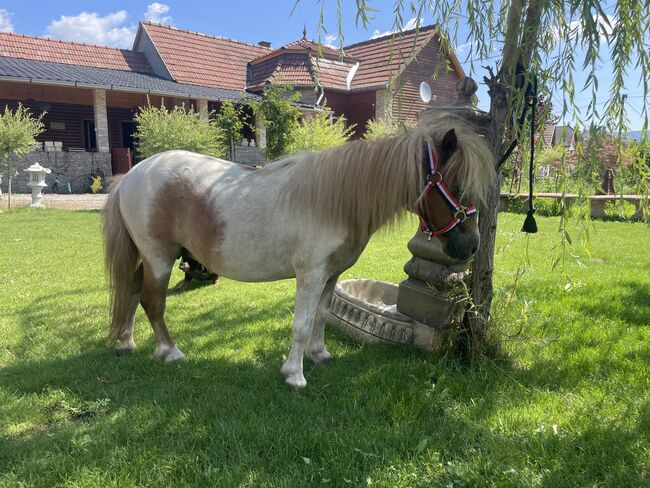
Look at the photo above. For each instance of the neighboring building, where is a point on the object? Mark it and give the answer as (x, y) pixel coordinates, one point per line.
(560, 135)
(90, 93)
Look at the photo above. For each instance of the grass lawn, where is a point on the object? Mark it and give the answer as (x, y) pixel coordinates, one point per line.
(568, 405)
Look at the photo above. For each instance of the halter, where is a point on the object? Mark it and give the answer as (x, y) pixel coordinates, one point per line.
(434, 180)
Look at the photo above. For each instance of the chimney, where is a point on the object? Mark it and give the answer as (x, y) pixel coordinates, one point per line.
(264, 43)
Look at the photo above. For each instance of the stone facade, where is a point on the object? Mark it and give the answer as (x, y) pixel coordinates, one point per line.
(250, 156)
(73, 167)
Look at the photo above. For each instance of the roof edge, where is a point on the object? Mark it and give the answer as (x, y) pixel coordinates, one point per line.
(398, 33)
(196, 33)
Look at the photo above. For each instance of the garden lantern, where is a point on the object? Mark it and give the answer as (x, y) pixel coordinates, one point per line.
(37, 183)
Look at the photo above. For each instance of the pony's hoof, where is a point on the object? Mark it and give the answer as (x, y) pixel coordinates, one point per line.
(320, 357)
(125, 348)
(168, 354)
(124, 351)
(296, 380)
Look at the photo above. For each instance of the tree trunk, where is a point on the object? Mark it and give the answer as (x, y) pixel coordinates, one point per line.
(502, 100)
(483, 264)
(9, 192)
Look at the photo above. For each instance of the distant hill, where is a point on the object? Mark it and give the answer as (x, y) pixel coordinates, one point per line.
(636, 135)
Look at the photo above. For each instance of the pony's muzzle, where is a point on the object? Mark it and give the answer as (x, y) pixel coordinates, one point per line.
(461, 243)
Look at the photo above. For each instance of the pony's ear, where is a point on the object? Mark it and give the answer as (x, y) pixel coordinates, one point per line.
(449, 144)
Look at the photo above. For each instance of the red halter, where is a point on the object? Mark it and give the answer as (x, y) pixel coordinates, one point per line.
(434, 179)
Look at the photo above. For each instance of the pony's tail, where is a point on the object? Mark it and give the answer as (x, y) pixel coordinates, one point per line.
(120, 259)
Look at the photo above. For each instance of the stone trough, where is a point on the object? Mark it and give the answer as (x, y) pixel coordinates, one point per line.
(420, 312)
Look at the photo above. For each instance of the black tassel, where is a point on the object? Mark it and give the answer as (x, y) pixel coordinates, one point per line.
(530, 225)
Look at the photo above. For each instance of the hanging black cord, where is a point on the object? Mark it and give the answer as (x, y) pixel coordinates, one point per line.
(530, 226)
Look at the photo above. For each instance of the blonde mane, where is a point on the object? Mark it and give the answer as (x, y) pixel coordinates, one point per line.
(369, 184)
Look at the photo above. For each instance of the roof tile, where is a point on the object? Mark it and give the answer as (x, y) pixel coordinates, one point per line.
(40, 49)
(201, 59)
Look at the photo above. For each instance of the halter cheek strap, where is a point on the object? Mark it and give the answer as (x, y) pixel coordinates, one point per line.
(434, 180)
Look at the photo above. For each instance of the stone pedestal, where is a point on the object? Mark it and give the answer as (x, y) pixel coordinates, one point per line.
(434, 293)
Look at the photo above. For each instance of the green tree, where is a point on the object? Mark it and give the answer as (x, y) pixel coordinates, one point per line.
(229, 120)
(544, 37)
(320, 132)
(280, 116)
(160, 129)
(18, 132)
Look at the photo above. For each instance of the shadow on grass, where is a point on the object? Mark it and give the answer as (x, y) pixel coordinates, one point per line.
(375, 412)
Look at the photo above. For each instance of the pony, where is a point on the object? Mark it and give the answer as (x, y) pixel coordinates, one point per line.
(308, 216)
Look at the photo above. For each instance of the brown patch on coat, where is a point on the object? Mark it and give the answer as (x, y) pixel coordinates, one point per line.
(183, 216)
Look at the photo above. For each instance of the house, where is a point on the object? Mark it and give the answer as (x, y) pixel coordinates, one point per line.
(560, 135)
(89, 94)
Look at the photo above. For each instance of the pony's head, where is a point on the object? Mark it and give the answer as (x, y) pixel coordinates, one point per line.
(458, 169)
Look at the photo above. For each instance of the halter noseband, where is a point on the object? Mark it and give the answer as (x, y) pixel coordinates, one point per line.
(434, 180)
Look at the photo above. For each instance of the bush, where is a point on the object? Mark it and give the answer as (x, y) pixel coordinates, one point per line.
(280, 117)
(320, 133)
(229, 120)
(161, 130)
(383, 127)
(18, 132)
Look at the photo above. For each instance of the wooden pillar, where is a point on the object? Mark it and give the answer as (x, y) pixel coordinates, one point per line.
(202, 108)
(260, 132)
(101, 121)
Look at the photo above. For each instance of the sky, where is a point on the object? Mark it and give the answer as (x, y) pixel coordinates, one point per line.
(114, 24)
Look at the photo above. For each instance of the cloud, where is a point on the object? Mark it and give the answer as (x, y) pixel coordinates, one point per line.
(92, 28)
(575, 29)
(330, 39)
(156, 13)
(108, 30)
(6, 25)
(411, 24)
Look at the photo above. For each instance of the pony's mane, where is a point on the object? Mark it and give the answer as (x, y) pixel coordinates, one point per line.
(368, 184)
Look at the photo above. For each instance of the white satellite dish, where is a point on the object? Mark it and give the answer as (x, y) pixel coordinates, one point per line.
(425, 92)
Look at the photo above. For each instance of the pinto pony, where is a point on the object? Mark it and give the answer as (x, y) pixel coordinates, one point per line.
(307, 216)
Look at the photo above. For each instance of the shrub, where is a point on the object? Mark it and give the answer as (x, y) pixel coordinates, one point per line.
(383, 127)
(320, 133)
(160, 129)
(229, 120)
(18, 132)
(280, 117)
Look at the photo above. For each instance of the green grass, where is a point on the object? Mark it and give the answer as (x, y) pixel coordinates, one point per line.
(568, 405)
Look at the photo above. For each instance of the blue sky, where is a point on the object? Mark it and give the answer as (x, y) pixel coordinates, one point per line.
(113, 23)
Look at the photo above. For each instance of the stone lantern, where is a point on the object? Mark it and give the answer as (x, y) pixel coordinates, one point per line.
(37, 183)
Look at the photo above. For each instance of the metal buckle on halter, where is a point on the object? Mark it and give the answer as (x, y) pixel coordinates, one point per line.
(434, 177)
(463, 212)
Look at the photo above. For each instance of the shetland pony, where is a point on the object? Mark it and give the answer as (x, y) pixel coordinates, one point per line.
(307, 216)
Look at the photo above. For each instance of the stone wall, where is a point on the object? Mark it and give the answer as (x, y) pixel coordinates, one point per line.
(250, 156)
(75, 167)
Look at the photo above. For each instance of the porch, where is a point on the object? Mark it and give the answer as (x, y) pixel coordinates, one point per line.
(90, 130)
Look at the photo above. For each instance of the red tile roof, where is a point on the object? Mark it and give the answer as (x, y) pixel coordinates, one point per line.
(332, 73)
(200, 59)
(313, 46)
(39, 49)
(385, 57)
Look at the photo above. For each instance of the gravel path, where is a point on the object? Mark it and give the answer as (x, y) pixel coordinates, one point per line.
(87, 201)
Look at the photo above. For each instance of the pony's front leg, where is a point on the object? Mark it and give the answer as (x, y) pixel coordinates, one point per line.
(316, 350)
(309, 289)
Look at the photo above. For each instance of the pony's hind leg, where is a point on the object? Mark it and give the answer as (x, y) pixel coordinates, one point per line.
(125, 343)
(308, 292)
(316, 350)
(156, 274)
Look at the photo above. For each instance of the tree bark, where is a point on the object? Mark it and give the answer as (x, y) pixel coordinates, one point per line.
(9, 192)
(521, 39)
